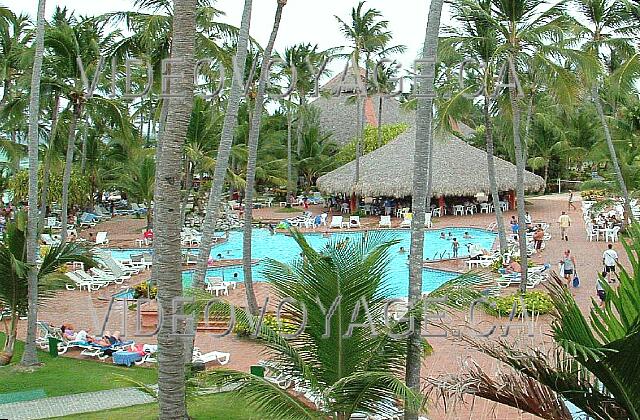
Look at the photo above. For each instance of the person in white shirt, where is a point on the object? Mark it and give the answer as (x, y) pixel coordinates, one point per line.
(610, 260)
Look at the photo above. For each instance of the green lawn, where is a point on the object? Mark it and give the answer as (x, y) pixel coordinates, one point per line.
(64, 375)
(216, 407)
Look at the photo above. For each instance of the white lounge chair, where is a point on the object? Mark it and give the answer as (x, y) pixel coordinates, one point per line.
(49, 240)
(104, 276)
(406, 222)
(81, 282)
(101, 238)
(385, 221)
(216, 285)
(354, 221)
(336, 222)
(212, 356)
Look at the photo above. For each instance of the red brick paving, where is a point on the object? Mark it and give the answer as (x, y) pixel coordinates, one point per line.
(87, 310)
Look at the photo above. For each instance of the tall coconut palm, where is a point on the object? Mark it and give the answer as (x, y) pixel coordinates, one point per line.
(168, 274)
(224, 149)
(299, 57)
(477, 39)
(369, 37)
(68, 40)
(424, 139)
(29, 356)
(254, 137)
(524, 27)
(607, 27)
(15, 35)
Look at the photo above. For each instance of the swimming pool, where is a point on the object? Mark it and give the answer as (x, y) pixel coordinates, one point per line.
(284, 248)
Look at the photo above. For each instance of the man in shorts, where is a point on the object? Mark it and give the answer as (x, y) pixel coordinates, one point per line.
(565, 222)
(610, 260)
(602, 294)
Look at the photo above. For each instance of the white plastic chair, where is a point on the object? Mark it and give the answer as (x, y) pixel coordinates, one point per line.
(458, 210)
(101, 238)
(336, 222)
(385, 221)
(612, 234)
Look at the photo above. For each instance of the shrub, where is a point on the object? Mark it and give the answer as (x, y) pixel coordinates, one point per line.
(145, 290)
(389, 133)
(534, 301)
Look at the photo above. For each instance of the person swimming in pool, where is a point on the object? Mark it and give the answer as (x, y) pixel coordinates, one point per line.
(402, 250)
(467, 236)
(442, 235)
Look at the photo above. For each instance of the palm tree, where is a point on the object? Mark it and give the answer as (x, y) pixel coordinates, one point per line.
(318, 154)
(369, 36)
(299, 57)
(69, 40)
(477, 40)
(254, 136)
(224, 149)
(594, 363)
(15, 34)
(343, 375)
(168, 274)
(606, 20)
(30, 357)
(138, 175)
(421, 165)
(14, 270)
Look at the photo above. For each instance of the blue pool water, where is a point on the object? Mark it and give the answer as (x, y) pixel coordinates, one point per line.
(284, 248)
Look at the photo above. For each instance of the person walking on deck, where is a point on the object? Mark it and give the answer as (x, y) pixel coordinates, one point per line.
(571, 205)
(610, 260)
(565, 222)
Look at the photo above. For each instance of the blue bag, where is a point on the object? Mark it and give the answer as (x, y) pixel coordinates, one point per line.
(576, 281)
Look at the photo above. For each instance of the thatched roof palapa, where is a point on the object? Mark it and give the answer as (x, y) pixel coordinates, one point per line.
(459, 169)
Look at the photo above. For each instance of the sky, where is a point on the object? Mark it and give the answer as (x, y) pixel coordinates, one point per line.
(303, 20)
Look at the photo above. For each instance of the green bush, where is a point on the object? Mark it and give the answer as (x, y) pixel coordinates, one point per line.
(534, 301)
(145, 291)
(389, 133)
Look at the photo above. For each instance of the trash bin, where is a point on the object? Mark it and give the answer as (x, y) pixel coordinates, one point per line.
(53, 346)
(257, 370)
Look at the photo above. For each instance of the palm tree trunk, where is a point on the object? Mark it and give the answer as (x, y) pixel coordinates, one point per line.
(300, 123)
(289, 151)
(546, 175)
(224, 149)
(30, 357)
(527, 129)
(83, 162)
(166, 272)
(424, 137)
(493, 183)
(188, 183)
(380, 121)
(254, 137)
(46, 172)
(614, 156)
(520, 204)
(66, 179)
(9, 346)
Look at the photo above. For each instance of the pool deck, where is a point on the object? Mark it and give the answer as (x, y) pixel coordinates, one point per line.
(87, 310)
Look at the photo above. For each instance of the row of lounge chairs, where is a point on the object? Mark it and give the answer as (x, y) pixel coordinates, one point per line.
(146, 352)
(113, 272)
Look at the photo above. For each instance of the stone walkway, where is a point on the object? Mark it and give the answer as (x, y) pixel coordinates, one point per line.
(74, 404)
